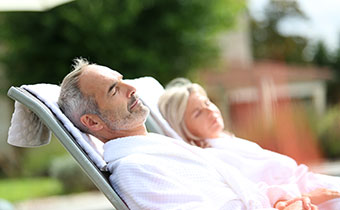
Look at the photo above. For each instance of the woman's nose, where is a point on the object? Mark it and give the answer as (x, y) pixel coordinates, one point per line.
(207, 109)
(210, 111)
(207, 106)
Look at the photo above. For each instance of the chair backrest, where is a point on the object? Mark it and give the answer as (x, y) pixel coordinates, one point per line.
(98, 177)
(149, 90)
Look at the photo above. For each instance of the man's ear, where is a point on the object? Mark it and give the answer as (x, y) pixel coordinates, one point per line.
(92, 122)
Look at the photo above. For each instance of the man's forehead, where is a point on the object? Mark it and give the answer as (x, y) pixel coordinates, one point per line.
(98, 69)
(95, 76)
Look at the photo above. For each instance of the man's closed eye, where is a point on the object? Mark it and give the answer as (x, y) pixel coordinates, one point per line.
(115, 91)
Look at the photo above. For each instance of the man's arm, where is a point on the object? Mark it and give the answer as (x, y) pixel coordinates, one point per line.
(146, 187)
(143, 185)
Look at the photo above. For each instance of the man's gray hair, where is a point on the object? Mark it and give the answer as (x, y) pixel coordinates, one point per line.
(71, 100)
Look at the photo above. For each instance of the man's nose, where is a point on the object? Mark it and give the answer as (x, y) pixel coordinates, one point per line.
(130, 90)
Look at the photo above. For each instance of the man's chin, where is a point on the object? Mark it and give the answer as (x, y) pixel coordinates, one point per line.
(142, 113)
(146, 114)
(144, 109)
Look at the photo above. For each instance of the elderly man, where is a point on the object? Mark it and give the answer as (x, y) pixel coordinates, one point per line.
(150, 171)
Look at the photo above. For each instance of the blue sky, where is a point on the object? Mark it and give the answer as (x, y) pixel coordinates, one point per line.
(323, 23)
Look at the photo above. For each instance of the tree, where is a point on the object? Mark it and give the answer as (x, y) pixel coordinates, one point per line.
(333, 88)
(268, 43)
(321, 56)
(160, 38)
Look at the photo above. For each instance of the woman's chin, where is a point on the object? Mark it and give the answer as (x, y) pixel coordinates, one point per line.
(217, 125)
(215, 131)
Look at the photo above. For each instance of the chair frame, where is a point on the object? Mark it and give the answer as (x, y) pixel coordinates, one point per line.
(98, 177)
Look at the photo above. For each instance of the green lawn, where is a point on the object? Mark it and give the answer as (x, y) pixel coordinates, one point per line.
(15, 190)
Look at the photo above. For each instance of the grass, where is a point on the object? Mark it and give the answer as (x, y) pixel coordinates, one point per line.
(15, 190)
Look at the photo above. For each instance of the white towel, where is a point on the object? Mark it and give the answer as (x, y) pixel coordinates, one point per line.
(26, 128)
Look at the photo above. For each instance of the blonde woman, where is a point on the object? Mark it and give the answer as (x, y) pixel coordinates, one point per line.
(198, 121)
(190, 113)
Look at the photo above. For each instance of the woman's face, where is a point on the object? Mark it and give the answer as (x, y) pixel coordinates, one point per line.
(202, 118)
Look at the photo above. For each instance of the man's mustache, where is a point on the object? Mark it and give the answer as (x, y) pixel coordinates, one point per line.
(134, 99)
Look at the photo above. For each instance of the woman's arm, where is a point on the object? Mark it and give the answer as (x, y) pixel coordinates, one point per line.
(301, 203)
(321, 195)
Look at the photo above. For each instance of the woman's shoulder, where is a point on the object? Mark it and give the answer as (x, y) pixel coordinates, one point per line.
(229, 140)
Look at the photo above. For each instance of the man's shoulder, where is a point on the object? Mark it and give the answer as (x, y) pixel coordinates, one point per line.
(136, 158)
(136, 162)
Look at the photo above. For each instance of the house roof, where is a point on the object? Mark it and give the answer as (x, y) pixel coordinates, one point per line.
(235, 77)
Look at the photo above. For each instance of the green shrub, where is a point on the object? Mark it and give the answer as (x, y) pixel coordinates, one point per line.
(30, 162)
(329, 133)
(36, 161)
(67, 171)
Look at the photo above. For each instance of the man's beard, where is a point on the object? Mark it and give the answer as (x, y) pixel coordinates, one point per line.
(133, 119)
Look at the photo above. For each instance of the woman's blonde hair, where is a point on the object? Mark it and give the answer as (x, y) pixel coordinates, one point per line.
(172, 105)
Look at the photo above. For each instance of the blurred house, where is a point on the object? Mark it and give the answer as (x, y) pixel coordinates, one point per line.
(265, 85)
(259, 99)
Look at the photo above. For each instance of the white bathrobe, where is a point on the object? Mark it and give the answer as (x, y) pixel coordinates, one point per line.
(260, 165)
(157, 172)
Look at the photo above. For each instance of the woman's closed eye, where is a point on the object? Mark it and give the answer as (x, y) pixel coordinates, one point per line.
(197, 113)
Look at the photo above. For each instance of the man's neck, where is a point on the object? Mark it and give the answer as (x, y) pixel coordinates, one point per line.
(114, 134)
